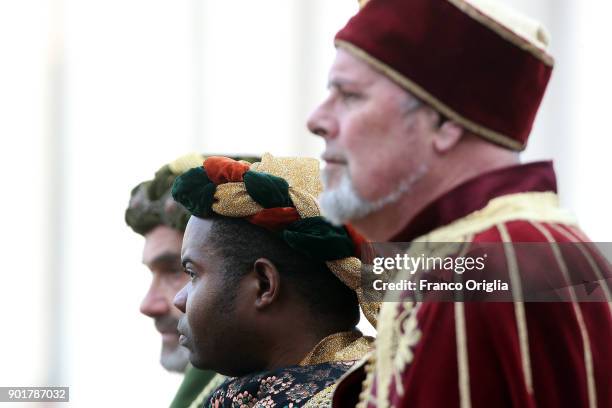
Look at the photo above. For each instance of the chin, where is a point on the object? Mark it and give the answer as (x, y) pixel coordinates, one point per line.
(332, 175)
(174, 359)
(221, 366)
(202, 364)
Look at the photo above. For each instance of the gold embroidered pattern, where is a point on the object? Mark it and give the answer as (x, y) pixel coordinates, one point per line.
(394, 346)
(305, 204)
(300, 172)
(347, 270)
(542, 207)
(343, 346)
(366, 397)
(232, 200)
(398, 327)
(370, 309)
(322, 399)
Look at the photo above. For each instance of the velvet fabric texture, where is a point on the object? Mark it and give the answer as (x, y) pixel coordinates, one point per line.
(319, 239)
(151, 202)
(225, 170)
(195, 191)
(463, 68)
(275, 219)
(267, 190)
(313, 236)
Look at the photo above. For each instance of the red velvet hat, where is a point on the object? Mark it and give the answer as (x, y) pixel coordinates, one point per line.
(482, 66)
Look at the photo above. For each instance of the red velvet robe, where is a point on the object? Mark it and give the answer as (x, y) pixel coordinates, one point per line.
(485, 354)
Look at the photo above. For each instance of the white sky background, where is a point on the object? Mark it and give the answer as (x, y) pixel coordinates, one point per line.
(96, 95)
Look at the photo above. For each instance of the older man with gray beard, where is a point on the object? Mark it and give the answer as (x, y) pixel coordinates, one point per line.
(430, 103)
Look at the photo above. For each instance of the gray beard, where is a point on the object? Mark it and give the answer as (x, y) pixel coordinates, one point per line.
(175, 358)
(343, 204)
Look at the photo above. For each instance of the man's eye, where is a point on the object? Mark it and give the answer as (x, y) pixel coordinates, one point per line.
(349, 96)
(190, 273)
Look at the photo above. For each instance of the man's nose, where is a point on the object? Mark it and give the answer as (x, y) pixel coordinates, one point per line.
(322, 123)
(180, 300)
(154, 303)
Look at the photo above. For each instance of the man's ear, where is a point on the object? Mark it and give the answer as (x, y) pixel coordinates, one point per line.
(447, 136)
(267, 281)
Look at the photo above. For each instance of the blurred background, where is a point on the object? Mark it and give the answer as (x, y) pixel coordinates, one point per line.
(96, 95)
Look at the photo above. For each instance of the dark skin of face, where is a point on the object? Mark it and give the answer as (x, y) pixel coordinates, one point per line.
(266, 326)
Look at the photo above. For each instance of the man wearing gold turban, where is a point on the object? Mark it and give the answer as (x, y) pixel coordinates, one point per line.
(153, 214)
(274, 294)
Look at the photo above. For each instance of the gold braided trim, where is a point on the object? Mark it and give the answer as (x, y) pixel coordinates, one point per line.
(363, 362)
(365, 396)
(343, 346)
(399, 334)
(463, 365)
(543, 207)
(370, 309)
(186, 162)
(232, 200)
(519, 306)
(431, 100)
(348, 270)
(503, 31)
(322, 399)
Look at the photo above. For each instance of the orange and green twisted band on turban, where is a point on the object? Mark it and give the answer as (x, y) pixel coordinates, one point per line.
(278, 194)
(230, 188)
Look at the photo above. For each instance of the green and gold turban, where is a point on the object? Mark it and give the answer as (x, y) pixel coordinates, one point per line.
(278, 194)
(151, 203)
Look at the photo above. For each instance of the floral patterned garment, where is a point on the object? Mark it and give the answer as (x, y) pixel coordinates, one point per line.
(288, 387)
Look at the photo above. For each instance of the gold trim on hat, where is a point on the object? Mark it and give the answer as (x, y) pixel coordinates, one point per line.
(503, 31)
(431, 100)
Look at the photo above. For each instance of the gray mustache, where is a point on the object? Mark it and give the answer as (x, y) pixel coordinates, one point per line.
(166, 324)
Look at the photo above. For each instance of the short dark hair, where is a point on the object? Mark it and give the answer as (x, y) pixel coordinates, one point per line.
(241, 243)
